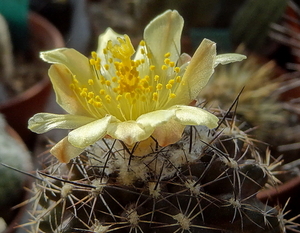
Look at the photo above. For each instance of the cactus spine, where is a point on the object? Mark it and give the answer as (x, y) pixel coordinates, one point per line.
(206, 182)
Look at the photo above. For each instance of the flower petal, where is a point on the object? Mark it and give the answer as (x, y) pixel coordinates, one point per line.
(77, 63)
(43, 122)
(153, 119)
(228, 58)
(64, 151)
(188, 115)
(108, 35)
(90, 133)
(129, 132)
(61, 79)
(168, 133)
(162, 35)
(183, 59)
(199, 70)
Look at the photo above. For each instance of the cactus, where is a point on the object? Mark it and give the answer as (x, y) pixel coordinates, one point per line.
(6, 58)
(259, 105)
(13, 153)
(206, 181)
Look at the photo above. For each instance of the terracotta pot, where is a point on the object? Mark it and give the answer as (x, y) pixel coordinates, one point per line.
(20, 108)
(281, 193)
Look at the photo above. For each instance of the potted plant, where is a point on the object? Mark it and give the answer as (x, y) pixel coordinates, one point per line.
(130, 164)
(31, 75)
(13, 154)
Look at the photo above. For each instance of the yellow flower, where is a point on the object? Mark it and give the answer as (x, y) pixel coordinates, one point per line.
(129, 95)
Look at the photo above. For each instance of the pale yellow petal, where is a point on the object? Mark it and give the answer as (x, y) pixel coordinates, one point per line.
(228, 58)
(61, 79)
(77, 63)
(162, 35)
(64, 151)
(153, 119)
(199, 70)
(43, 122)
(90, 133)
(108, 35)
(183, 59)
(168, 133)
(188, 115)
(129, 132)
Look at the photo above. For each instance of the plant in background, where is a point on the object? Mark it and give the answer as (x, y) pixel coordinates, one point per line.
(259, 105)
(134, 166)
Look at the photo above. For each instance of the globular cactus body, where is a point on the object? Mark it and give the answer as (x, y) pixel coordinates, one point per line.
(195, 185)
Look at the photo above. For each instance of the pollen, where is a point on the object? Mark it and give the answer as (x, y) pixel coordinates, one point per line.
(108, 98)
(142, 43)
(172, 95)
(97, 98)
(91, 94)
(177, 69)
(167, 55)
(102, 92)
(169, 86)
(164, 67)
(118, 97)
(92, 62)
(97, 104)
(155, 96)
(127, 95)
(94, 55)
(152, 67)
(84, 92)
(91, 82)
(172, 81)
(159, 86)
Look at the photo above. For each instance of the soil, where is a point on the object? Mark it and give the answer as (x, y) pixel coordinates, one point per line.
(28, 70)
(27, 73)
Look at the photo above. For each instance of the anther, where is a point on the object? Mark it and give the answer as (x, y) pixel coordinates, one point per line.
(91, 82)
(159, 86)
(169, 86)
(177, 69)
(152, 67)
(106, 66)
(172, 95)
(142, 43)
(155, 96)
(164, 67)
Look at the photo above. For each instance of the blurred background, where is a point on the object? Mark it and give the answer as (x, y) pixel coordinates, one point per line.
(266, 31)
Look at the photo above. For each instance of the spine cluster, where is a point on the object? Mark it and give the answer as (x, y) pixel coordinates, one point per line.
(206, 182)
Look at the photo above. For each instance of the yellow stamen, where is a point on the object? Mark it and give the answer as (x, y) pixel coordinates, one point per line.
(164, 67)
(177, 69)
(91, 82)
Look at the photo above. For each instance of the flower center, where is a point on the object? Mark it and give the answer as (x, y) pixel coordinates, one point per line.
(127, 88)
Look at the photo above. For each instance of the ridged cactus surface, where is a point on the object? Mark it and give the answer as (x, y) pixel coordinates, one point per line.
(206, 182)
